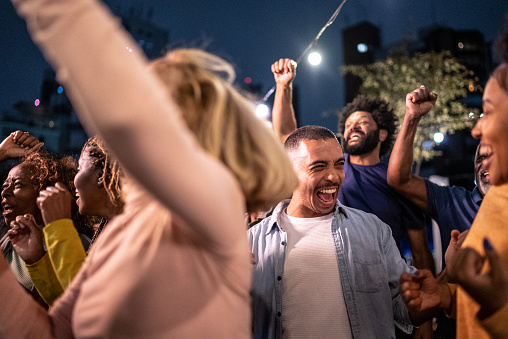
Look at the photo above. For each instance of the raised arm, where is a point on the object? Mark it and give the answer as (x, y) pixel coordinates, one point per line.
(17, 145)
(93, 55)
(399, 176)
(283, 115)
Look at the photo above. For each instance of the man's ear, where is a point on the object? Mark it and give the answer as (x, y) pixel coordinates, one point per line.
(383, 134)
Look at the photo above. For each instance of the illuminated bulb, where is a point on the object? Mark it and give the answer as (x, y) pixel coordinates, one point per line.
(314, 58)
(262, 111)
(438, 137)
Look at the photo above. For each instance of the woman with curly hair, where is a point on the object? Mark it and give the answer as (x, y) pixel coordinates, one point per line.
(20, 191)
(98, 192)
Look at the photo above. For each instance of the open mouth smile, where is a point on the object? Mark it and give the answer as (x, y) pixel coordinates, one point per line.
(327, 195)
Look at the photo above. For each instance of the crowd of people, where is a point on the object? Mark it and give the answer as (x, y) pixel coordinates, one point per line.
(148, 237)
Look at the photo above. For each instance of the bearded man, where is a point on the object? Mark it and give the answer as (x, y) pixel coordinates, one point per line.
(368, 126)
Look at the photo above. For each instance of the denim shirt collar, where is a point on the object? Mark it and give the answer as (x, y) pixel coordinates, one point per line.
(279, 209)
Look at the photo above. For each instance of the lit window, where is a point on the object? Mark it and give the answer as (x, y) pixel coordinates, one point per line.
(362, 48)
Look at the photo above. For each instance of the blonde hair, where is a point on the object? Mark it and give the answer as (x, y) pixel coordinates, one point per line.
(225, 124)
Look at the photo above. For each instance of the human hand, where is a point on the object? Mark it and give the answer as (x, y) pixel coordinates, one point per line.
(455, 243)
(26, 238)
(55, 203)
(419, 102)
(284, 71)
(419, 291)
(489, 289)
(19, 144)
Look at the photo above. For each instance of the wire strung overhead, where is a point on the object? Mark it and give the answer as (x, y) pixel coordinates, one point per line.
(312, 44)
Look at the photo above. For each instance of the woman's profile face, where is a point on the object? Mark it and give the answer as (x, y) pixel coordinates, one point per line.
(19, 195)
(88, 184)
(492, 130)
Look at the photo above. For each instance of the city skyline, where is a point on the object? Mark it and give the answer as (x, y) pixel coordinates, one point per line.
(253, 35)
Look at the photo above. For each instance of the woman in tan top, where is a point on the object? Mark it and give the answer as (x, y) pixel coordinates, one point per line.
(176, 262)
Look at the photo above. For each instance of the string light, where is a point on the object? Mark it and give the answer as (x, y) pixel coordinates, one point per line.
(312, 44)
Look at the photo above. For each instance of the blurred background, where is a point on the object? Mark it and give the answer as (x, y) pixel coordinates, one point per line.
(254, 34)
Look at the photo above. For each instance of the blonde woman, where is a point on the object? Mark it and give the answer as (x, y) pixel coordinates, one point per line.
(176, 262)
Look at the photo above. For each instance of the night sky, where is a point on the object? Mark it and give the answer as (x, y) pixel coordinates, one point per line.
(252, 34)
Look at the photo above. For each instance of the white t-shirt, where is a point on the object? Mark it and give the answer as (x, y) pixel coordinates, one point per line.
(312, 301)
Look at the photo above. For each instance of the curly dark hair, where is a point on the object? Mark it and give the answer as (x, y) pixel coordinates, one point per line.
(111, 175)
(109, 167)
(382, 114)
(47, 170)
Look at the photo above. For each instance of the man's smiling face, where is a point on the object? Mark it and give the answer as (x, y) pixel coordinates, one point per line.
(319, 165)
(361, 133)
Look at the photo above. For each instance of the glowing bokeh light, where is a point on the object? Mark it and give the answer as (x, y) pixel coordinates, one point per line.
(362, 48)
(438, 137)
(247, 80)
(37, 102)
(314, 58)
(60, 90)
(262, 111)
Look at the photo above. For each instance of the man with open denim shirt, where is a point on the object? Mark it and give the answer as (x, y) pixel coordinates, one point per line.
(323, 269)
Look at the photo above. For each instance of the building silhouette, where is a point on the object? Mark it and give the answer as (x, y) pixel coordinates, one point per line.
(51, 118)
(360, 44)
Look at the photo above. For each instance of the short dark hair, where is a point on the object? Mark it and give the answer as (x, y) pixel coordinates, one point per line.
(381, 113)
(309, 132)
